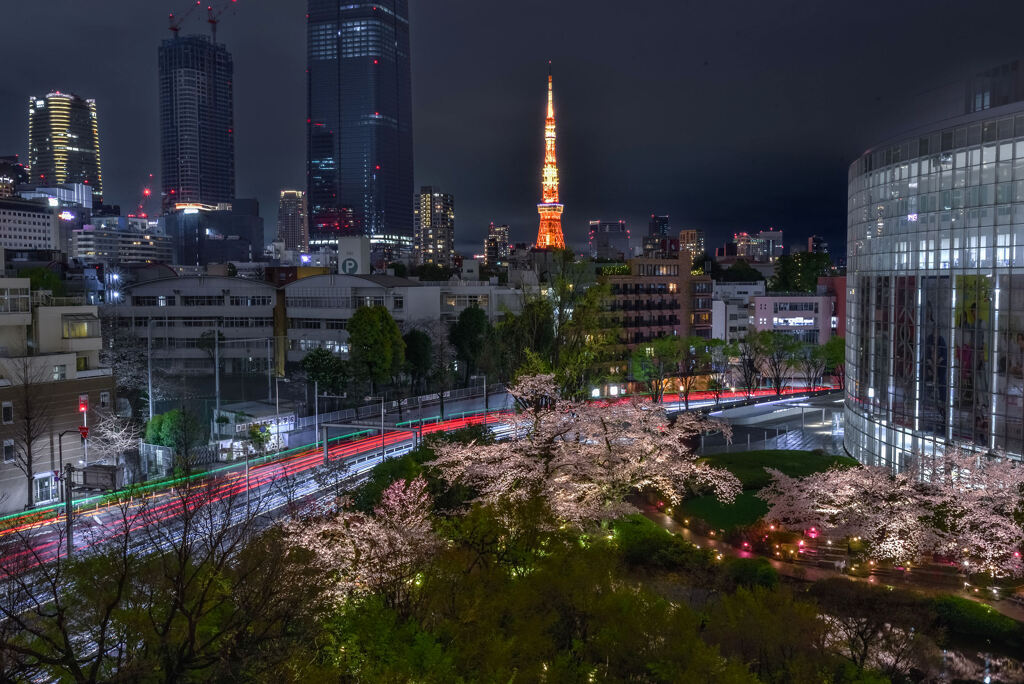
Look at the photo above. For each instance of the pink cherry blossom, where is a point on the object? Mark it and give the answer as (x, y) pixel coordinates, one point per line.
(583, 459)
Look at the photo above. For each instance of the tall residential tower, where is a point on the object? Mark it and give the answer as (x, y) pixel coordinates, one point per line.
(550, 234)
(64, 141)
(291, 220)
(197, 136)
(435, 227)
(359, 123)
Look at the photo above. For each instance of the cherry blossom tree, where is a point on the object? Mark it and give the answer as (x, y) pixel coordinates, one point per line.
(381, 553)
(884, 510)
(956, 503)
(976, 501)
(583, 459)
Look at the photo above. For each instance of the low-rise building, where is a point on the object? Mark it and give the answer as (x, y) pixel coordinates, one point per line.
(807, 317)
(28, 224)
(121, 240)
(49, 371)
(650, 296)
(731, 313)
(263, 324)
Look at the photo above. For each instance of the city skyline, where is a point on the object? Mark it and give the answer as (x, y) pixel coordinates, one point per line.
(677, 166)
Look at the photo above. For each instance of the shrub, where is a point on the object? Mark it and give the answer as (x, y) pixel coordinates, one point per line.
(642, 543)
(977, 623)
(751, 572)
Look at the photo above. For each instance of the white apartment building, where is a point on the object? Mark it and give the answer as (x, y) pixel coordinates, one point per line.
(49, 359)
(731, 314)
(28, 225)
(259, 321)
(808, 318)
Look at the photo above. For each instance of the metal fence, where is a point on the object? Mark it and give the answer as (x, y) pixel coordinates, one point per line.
(408, 404)
(158, 461)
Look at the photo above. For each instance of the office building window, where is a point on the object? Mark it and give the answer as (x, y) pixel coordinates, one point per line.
(104, 400)
(8, 451)
(60, 372)
(8, 413)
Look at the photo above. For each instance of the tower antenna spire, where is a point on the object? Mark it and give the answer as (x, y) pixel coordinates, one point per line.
(549, 236)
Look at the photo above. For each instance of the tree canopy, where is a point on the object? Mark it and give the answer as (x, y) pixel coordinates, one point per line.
(799, 272)
(376, 347)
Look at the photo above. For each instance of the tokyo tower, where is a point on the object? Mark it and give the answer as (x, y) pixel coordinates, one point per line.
(550, 234)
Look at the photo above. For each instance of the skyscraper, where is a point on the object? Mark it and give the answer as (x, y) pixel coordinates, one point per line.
(64, 141)
(435, 227)
(359, 124)
(658, 225)
(550, 233)
(609, 240)
(496, 245)
(291, 220)
(197, 137)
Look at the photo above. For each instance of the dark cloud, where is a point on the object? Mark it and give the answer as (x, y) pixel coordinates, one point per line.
(727, 115)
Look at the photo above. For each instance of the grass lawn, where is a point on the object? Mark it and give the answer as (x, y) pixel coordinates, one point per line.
(749, 466)
(746, 510)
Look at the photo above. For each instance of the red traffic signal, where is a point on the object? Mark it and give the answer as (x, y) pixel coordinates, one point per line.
(83, 403)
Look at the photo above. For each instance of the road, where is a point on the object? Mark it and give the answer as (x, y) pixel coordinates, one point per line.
(275, 485)
(36, 537)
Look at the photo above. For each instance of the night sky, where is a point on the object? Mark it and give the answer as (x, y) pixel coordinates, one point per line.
(726, 115)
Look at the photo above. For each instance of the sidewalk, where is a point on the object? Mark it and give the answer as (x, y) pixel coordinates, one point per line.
(810, 573)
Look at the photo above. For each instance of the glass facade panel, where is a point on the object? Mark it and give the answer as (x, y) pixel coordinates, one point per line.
(935, 305)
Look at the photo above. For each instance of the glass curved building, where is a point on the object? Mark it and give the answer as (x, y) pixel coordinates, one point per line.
(935, 300)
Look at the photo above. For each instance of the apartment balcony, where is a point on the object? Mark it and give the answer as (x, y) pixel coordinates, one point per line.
(94, 373)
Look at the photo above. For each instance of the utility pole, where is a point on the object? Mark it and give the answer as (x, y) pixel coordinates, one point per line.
(149, 366)
(216, 364)
(69, 512)
(270, 364)
(316, 411)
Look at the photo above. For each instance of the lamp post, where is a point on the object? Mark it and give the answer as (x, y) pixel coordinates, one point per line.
(381, 397)
(277, 408)
(484, 377)
(66, 489)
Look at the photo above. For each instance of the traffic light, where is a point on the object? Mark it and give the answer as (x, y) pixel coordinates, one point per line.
(83, 403)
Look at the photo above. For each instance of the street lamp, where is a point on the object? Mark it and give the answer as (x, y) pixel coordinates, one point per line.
(484, 376)
(66, 489)
(381, 397)
(277, 407)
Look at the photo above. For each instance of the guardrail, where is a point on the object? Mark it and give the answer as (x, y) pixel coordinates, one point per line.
(51, 512)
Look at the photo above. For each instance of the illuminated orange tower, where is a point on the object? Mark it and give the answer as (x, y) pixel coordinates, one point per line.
(550, 234)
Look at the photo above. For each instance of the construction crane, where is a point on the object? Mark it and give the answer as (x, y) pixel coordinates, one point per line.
(213, 17)
(176, 21)
(144, 195)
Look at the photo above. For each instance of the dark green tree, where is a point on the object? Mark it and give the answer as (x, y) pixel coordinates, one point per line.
(41, 278)
(799, 272)
(655, 362)
(835, 359)
(811, 361)
(740, 272)
(181, 430)
(469, 335)
(376, 348)
(325, 369)
(778, 352)
(419, 357)
(433, 272)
